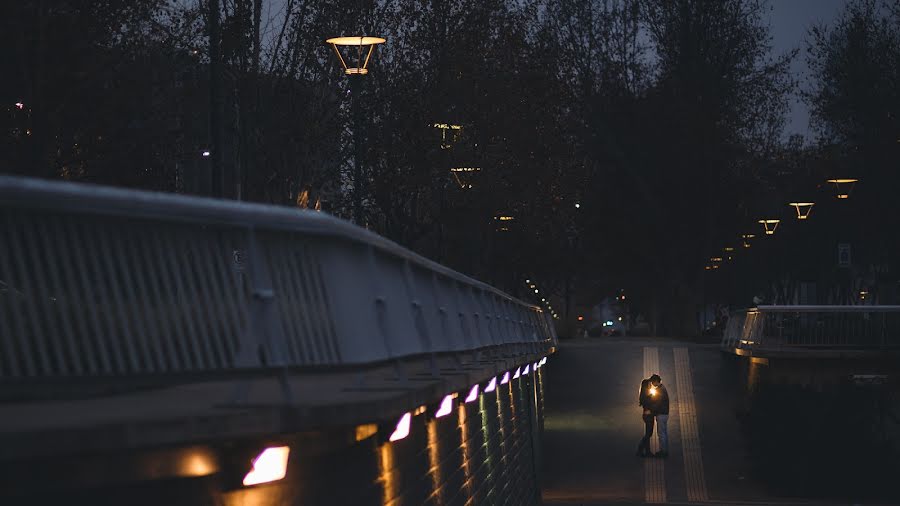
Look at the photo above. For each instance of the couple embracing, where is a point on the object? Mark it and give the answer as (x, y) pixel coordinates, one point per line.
(654, 399)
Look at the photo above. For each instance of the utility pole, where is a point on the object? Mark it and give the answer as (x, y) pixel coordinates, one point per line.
(216, 104)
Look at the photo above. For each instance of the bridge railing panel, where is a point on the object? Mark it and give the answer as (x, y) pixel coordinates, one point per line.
(97, 281)
(814, 327)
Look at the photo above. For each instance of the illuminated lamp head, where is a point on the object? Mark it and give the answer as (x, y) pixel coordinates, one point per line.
(803, 209)
(769, 225)
(355, 48)
(843, 187)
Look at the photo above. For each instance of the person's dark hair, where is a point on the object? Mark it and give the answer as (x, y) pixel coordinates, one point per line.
(655, 379)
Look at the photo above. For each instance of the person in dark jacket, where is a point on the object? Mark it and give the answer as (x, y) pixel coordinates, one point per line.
(659, 406)
(654, 398)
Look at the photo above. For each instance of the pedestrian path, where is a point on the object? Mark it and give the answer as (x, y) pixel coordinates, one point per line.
(654, 469)
(593, 424)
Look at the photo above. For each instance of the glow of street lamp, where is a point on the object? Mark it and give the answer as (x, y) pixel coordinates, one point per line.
(769, 226)
(803, 209)
(848, 186)
(359, 43)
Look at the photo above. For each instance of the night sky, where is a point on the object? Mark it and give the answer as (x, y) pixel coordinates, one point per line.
(790, 21)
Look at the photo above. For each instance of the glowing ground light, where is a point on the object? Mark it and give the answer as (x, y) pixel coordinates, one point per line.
(402, 429)
(527, 368)
(543, 361)
(518, 373)
(270, 465)
(505, 379)
(473, 393)
(492, 385)
(446, 407)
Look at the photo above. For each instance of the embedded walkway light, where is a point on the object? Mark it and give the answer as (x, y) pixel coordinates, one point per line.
(803, 209)
(843, 192)
(770, 226)
(355, 47)
(270, 465)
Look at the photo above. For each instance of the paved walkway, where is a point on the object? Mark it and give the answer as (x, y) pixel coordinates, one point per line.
(593, 424)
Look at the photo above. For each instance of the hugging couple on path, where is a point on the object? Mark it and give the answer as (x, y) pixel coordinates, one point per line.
(655, 400)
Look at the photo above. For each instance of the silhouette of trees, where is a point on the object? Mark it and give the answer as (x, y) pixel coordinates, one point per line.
(661, 119)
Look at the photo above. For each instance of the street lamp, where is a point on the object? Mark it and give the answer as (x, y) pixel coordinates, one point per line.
(354, 68)
(770, 226)
(359, 45)
(463, 176)
(843, 193)
(746, 239)
(803, 209)
(454, 130)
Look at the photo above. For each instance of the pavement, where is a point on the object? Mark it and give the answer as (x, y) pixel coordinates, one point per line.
(593, 425)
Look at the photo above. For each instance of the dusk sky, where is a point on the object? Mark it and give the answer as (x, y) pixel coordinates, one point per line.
(790, 21)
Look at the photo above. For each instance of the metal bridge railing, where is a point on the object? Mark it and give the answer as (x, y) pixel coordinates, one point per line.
(97, 281)
(813, 327)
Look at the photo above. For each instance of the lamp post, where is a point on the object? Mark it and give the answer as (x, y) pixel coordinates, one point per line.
(843, 186)
(357, 51)
(803, 209)
(769, 226)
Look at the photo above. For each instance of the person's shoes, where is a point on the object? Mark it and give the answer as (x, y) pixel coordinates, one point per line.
(661, 455)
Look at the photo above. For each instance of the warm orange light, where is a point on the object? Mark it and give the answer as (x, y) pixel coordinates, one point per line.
(580, 318)
(505, 218)
(365, 431)
(715, 259)
(728, 249)
(843, 192)
(770, 225)
(270, 465)
(803, 209)
(360, 43)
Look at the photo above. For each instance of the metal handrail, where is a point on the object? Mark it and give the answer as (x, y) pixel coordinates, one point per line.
(108, 281)
(826, 309)
(813, 327)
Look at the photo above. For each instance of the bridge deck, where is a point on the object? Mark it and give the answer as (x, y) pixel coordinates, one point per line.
(593, 425)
